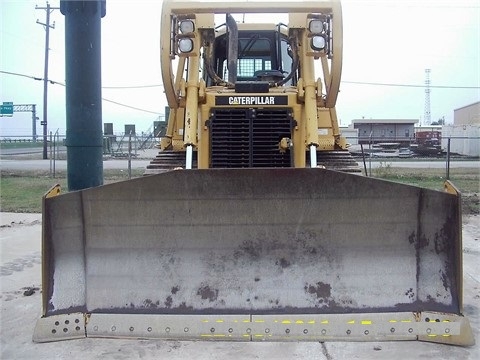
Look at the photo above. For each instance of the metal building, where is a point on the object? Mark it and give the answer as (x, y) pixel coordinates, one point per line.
(464, 134)
(376, 131)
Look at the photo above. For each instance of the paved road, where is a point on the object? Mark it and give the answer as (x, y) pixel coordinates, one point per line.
(9, 161)
(13, 164)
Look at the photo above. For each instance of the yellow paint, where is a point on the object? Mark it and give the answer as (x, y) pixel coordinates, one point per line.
(214, 335)
(366, 322)
(190, 100)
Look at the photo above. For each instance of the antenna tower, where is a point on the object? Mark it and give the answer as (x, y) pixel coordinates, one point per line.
(426, 115)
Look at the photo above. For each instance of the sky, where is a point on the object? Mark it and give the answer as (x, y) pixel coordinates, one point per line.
(388, 44)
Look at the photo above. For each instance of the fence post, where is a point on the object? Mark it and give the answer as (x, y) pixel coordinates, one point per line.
(130, 155)
(448, 159)
(370, 153)
(51, 150)
(363, 157)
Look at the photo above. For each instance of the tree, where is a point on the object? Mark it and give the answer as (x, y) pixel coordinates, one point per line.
(440, 121)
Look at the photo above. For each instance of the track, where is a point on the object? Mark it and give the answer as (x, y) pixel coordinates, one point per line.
(338, 160)
(168, 160)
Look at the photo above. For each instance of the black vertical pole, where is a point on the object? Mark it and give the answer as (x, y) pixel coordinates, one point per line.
(363, 156)
(83, 92)
(448, 160)
(34, 122)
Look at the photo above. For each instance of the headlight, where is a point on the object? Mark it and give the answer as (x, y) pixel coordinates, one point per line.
(186, 26)
(316, 26)
(185, 45)
(318, 43)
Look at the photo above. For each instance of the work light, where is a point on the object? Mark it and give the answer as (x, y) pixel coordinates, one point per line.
(186, 26)
(318, 43)
(185, 45)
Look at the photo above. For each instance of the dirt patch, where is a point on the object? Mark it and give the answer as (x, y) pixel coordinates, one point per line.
(471, 204)
(321, 290)
(206, 293)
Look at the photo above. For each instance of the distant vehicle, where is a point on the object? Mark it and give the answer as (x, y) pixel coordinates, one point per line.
(427, 143)
(404, 153)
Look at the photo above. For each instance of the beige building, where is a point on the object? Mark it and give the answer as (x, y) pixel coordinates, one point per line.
(467, 115)
(464, 134)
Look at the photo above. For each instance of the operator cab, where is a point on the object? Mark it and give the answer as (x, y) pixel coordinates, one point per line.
(263, 56)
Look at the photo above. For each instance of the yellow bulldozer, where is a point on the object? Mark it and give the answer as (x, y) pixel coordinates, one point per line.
(268, 232)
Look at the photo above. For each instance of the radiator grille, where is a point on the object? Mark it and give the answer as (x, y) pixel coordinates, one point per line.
(242, 137)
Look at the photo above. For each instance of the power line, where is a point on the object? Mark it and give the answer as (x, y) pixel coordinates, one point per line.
(63, 84)
(103, 87)
(410, 85)
(343, 81)
(22, 75)
(159, 85)
(132, 86)
(131, 107)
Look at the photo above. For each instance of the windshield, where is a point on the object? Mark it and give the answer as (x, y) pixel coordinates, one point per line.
(257, 52)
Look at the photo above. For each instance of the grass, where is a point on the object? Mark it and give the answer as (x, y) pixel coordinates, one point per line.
(22, 191)
(467, 180)
(20, 144)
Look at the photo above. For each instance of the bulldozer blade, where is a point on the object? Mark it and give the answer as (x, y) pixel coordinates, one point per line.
(188, 248)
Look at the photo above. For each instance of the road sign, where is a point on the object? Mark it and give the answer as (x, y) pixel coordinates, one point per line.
(6, 109)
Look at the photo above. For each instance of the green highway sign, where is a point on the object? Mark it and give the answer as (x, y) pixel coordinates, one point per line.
(6, 109)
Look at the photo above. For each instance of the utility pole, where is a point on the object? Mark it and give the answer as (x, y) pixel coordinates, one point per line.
(49, 9)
